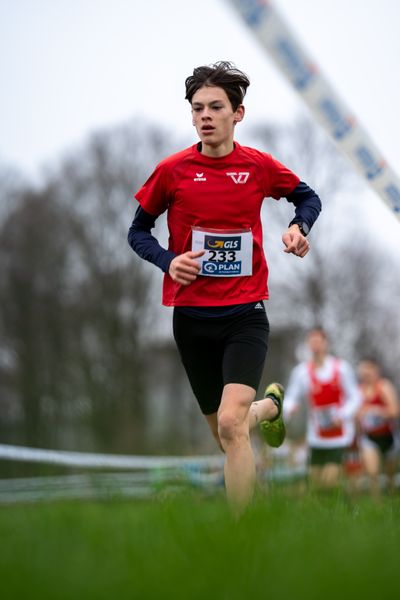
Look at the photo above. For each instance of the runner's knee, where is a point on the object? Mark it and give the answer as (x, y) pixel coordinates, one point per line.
(230, 427)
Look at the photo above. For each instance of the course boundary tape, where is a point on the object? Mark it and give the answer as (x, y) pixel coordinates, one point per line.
(101, 461)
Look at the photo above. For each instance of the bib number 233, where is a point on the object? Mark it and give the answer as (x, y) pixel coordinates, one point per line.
(228, 253)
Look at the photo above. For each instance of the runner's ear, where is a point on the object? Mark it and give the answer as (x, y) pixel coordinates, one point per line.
(239, 114)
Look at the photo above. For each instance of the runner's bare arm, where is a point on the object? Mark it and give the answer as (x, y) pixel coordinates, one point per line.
(392, 408)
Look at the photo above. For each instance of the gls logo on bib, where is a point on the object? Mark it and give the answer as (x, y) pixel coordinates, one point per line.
(222, 243)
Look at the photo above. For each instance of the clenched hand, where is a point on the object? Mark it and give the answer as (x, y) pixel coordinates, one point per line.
(184, 268)
(295, 242)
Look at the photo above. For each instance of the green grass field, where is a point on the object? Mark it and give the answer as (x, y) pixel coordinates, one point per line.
(188, 547)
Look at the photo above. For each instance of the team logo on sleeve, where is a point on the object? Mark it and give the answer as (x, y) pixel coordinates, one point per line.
(240, 177)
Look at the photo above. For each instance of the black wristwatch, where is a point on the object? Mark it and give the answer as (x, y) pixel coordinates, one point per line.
(304, 228)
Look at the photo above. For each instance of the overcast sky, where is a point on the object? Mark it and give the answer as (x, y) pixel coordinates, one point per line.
(68, 67)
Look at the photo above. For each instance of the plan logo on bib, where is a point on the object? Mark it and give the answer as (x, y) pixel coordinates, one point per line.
(222, 269)
(240, 177)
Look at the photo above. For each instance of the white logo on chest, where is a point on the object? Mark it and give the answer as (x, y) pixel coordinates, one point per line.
(240, 177)
(199, 177)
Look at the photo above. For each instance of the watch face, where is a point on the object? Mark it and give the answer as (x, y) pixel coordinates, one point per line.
(304, 228)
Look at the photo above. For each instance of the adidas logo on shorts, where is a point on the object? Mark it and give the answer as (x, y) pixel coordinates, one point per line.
(259, 306)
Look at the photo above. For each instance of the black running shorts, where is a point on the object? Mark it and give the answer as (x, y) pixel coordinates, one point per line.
(384, 442)
(219, 350)
(319, 457)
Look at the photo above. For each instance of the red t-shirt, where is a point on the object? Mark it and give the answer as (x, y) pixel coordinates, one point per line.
(223, 193)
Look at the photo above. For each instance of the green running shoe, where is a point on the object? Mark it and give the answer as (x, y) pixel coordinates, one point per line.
(274, 431)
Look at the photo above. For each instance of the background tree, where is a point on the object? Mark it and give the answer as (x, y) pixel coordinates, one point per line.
(75, 299)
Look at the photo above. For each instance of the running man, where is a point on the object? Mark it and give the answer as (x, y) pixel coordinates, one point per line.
(215, 268)
(377, 421)
(329, 386)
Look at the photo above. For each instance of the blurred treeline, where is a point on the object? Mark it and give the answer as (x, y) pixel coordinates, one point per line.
(87, 360)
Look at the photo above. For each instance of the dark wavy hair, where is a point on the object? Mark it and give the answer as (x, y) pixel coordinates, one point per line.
(222, 74)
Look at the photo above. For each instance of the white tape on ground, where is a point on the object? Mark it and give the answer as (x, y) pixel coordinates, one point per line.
(329, 110)
(100, 461)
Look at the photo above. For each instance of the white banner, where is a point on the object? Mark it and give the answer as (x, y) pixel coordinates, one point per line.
(329, 110)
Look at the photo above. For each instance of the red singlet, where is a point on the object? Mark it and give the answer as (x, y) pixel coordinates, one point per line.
(374, 424)
(326, 397)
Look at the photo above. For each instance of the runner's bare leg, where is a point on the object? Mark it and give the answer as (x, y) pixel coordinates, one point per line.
(231, 428)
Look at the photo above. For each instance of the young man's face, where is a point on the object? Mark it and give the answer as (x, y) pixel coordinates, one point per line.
(368, 372)
(214, 117)
(317, 343)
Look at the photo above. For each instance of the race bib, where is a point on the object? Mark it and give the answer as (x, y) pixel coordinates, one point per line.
(328, 425)
(372, 421)
(326, 418)
(228, 253)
